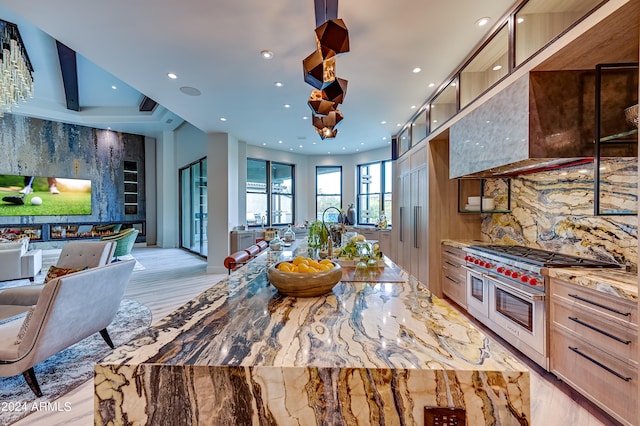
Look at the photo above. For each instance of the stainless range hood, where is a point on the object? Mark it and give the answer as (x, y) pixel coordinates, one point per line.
(543, 120)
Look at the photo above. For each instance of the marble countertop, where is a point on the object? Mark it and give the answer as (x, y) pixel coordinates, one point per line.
(610, 281)
(615, 282)
(244, 321)
(366, 353)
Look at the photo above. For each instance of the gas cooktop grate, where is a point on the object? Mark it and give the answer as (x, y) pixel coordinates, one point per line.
(543, 258)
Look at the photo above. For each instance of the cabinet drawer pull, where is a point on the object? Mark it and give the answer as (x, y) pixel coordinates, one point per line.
(599, 364)
(451, 279)
(594, 328)
(451, 253)
(451, 264)
(575, 296)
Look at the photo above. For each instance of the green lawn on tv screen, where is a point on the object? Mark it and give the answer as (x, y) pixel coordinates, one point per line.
(65, 203)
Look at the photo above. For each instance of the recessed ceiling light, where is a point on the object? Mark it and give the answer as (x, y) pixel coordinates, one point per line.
(305, 118)
(416, 70)
(497, 67)
(361, 143)
(264, 144)
(279, 141)
(114, 87)
(172, 76)
(343, 148)
(223, 119)
(413, 107)
(483, 21)
(290, 149)
(299, 146)
(454, 84)
(278, 84)
(384, 138)
(399, 124)
(287, 106)
(431, 84)
(266, 54)
(383, 122)
(435, 121)
(520, 20)
(313, 143)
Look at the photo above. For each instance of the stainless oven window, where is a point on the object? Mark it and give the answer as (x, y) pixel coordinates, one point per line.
(517, 310)
(477, 288)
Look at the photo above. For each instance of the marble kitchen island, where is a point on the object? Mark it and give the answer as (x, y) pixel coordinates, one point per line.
(365, 354)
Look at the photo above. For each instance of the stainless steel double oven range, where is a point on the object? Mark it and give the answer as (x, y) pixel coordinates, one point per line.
(507, 291)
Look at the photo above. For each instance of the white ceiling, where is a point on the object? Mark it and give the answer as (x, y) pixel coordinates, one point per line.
(215, 46)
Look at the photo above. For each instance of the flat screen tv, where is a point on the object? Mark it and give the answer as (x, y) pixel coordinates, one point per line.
(44, 196)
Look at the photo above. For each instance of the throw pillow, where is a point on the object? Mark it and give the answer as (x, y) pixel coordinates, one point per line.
(55, 272)
(24, 326)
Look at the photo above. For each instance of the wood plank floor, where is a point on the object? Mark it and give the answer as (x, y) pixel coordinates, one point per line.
(172, 277)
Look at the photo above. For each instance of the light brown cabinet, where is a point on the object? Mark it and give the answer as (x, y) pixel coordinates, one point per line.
(594, 338)
(412, 214)
(454, 277)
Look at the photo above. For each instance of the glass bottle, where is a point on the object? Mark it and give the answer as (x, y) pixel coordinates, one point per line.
(276, 243)
(289, 236)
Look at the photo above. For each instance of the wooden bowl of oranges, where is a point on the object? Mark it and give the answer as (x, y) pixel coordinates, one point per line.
(304, 277)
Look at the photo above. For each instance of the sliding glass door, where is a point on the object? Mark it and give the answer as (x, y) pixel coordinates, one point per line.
(193, 207)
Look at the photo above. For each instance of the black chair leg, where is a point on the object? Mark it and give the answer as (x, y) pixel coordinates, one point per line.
(106, 338)
(30, 377)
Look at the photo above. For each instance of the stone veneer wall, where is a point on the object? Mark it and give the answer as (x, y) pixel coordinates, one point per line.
(554, 210)
(31, 146)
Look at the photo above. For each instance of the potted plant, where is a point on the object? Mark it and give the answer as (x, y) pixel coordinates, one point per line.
(318, 238)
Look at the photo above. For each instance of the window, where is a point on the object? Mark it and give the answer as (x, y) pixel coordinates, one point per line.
(193, 207)
(374, 192)
(328, 191)
(270, 195)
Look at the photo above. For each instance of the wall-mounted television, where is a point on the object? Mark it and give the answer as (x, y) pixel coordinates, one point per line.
(44, 196)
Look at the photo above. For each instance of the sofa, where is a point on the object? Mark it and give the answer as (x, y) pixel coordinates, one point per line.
(17, 261)
(70, 308)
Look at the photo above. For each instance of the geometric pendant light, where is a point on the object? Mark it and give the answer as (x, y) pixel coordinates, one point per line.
(333, 38)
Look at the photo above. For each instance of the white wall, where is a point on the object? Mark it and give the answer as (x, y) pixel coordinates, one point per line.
(227, 177)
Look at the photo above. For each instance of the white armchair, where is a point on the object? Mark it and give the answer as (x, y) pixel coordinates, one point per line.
(70, 308)
(18, 262)
(75, 254)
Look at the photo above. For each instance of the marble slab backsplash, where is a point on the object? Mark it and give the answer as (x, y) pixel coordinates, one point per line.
(554, 210)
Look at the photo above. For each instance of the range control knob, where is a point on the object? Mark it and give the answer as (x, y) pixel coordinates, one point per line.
(476, 261)
(488, 265)
(500, 269)
(524, 278)
(507, 272)
(515, 274)
(533, 281)
(481, 263)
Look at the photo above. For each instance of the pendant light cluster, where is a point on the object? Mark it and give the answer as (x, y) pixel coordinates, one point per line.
(332, 38)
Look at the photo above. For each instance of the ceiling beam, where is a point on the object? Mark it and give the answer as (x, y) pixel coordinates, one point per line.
(69, 69)
(325, 10)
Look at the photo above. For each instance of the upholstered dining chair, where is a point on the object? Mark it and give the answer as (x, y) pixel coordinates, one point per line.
(124, 240)
(69, 309)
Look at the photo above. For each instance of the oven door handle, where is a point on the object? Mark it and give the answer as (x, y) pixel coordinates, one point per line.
(471, 270)
(516, 291)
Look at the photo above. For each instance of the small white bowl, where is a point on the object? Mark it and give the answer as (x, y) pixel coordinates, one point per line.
(474, 201)
(488, 204)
